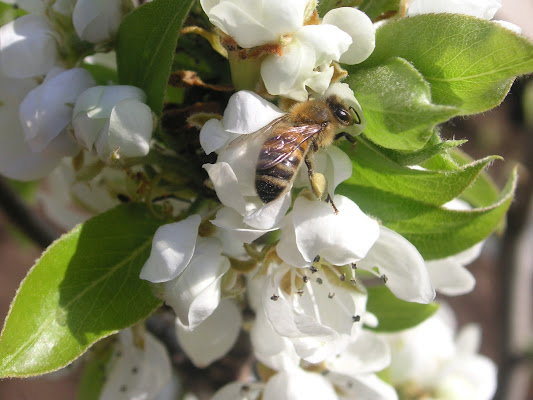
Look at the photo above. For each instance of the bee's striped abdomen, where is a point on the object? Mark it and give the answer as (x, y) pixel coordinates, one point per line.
(271, 183)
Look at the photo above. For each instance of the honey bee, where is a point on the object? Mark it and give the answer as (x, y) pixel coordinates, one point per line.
(295, 137)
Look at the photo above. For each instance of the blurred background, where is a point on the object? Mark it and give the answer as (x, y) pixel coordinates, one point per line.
(503, 298)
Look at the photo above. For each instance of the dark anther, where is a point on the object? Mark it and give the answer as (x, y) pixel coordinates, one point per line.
(319, 281)
(356, 318)
(274, 297)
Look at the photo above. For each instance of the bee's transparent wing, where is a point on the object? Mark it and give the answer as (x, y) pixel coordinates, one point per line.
(283, 141)
(255, 138)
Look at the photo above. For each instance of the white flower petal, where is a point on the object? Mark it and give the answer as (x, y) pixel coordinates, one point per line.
(357, 24)
(362, 387)
(214, 337)
(130, 129)
(287, 249)
(226, 185)
(468, 340)
(17, 160)
(213, 136)
(341, 238)
(509, 25)
(270, 348)
(477, 8)
(450, 277)
(152, 366)
(172, 248)
(229, 219)
(328, 41)
(298, 385)
(28, 47)
(47, 110)
(286, 74)
(251, 23)
(97, 21)
(369, 353)
(248, 112)
(195, 294)
(402, 264)
(267, 216)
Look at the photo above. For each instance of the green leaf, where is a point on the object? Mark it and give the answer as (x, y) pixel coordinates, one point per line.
(8, 13)
(397, 104)
(394, 314)
(419, 156)
(470, 63)
(85, 287)
(145, 46)
(372, 169)
(436, 232)
(375, 8)
(484, 191)
(325, 5)
(102, 75)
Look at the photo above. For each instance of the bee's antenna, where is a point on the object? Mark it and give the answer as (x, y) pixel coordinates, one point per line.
(358, 122)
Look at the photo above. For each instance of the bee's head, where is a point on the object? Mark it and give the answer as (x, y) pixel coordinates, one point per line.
(345, 116)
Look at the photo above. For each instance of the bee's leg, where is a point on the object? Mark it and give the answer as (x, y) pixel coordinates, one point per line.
(319, 183)
(345, 135)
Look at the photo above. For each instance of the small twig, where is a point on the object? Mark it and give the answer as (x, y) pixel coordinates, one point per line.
(23, 217)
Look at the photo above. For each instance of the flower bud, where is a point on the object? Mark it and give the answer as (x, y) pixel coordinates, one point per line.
(111, 119)
(97, 21)
(28, 47)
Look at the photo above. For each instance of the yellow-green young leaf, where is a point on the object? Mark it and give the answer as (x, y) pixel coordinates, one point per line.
(436, 232)
(394, 314)
(85, 287)
(8, 13)
(372, 169)
(469, 63)
(145, 47)
(397, 104)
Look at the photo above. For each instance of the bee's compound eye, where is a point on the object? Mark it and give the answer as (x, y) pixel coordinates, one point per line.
(343, 115)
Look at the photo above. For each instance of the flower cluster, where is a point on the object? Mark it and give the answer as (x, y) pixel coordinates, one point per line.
(51, 108)
(250, 219)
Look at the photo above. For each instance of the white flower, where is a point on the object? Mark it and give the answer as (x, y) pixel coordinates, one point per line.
(313, 229)
(68, 202)
(190, 267)
(318, 314)
(46, 112)
(17, 160)
(346, 35)
(431, 360)
(485, 9)
(449, 275)
(214, 337)
(251, 23)
(97, 21)
(113, 118)
(136, 372)
(401, 264)
(477, 8)
(28, 47)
